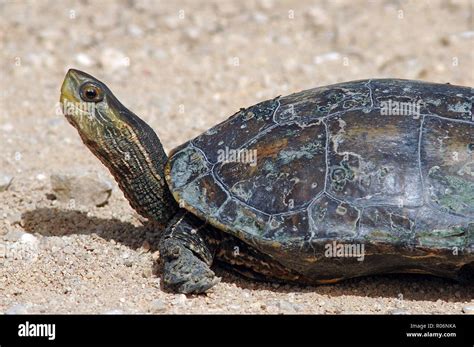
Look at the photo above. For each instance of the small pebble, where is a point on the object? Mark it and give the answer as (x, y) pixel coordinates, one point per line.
(41, 177)
(179, 300)
(13, 235)
(128, 262)
(88, 189)
(68, 249)
(147, 273)
(298, 307)
(468, 309)
(5, 182)
(17, 309)
(146, 246)
(135, 30)
(157, 306)
(260, 17)
(7, 127)
(29, 239)
(84, 60)
(16, 219)
(285, 306)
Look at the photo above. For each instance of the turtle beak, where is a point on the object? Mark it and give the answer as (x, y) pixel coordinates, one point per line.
(70, 87)
(74, 109)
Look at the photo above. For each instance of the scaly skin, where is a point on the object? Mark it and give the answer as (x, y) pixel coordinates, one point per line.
(123, 142)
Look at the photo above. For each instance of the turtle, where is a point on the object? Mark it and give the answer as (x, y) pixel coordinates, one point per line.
(352, 179)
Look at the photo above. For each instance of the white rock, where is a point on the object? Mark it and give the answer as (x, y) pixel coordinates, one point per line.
(468, 309)
(330, 56)
(157, 306)
(125, 255)
(179, 300)
(15, 219)
(17, 309)
(467, 34)
(84, 60)
(260, 17)
(25, 249)
(41, 177)
(13, 235)
(285, 306)
(5, 182)
(29, 239)
(192, 33)
(114, 311)
(135, 30)
(318, 18)
(7, 127)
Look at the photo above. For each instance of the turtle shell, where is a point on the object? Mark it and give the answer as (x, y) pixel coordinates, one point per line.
(388, 163)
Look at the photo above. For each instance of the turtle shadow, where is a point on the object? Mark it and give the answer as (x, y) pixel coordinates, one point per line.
(59, 222)
(399, 287)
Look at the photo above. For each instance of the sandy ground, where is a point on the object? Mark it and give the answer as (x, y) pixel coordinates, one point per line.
(184, 66)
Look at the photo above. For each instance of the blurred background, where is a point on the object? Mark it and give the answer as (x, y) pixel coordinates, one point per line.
(184, 66)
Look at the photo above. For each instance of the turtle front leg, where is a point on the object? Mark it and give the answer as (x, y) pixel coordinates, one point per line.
(186, 253)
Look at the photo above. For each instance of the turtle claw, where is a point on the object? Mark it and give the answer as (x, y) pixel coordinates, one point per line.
(201, 286)
(183, 271)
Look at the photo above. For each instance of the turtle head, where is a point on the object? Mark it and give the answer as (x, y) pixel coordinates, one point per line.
(92, 109)
(122, 141)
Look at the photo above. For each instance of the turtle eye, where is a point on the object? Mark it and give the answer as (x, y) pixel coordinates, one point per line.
(91, 92)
